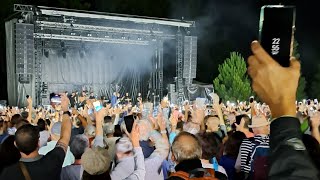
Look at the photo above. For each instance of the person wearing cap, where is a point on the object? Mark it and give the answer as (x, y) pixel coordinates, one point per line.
(261, 130)
(55, 134)
(96, 160)
(109, 139)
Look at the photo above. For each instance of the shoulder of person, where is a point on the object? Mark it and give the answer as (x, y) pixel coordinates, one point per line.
(11, 172)
(175, 178)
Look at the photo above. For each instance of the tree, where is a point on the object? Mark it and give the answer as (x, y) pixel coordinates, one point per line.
(315, 85)
(301, 94)
(301, 89)
(295, 49)
(232, 82)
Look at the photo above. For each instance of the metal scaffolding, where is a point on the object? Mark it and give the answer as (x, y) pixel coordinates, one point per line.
(53, 25)
(179, 67)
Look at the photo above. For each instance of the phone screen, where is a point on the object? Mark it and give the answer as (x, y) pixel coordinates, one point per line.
(56, 99)
(97, 106)
(276, 32)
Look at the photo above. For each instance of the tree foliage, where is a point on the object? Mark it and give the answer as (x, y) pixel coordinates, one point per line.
(315, 85)
(301, 94)
(232, 82)
(295, 49)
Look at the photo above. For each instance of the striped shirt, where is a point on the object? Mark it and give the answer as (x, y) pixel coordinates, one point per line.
(246, 150)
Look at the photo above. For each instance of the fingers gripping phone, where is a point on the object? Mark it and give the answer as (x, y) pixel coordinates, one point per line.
(276, 32)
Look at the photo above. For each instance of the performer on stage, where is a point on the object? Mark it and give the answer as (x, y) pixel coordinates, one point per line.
(92, 96)
(83, 98)
(114, 99)
(139, 98)
(72, 99)
(127, 99)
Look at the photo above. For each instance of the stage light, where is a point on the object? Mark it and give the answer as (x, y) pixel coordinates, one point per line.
(89, 35)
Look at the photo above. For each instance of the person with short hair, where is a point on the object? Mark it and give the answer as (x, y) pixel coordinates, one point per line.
(261, 129)
(243, 126)
(186, 153)
(32, 165)
(78, 145)
(210, 143)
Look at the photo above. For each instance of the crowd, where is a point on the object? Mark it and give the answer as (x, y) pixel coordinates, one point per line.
(278, 139)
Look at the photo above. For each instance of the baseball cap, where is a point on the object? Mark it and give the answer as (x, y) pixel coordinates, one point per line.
(258, 121)
(96, 160)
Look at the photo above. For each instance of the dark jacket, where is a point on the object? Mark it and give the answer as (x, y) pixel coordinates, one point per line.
(189, 165)
(289, 158)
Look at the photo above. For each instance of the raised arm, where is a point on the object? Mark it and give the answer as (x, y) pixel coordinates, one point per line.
(80, 117)
(160, 139)
(66, 124)
(139, 170)
(98, 141)
(277, 86)
(29, 101)
(315, 123)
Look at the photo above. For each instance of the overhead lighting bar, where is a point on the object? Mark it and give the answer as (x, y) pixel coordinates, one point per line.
(88, 39)
(143, 20)
(93, 28)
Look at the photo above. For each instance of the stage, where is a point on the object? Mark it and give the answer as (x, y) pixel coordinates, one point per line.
(56, 50)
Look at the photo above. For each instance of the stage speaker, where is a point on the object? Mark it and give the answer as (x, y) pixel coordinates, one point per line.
(190, 57)
(24, 51)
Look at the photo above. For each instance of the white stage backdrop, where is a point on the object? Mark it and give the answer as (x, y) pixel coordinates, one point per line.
(113, 64)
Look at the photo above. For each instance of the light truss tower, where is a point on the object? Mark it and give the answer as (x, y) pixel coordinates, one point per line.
(160, 68)
(179, 67)
(38, 68)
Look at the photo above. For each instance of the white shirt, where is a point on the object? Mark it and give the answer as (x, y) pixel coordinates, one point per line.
(69, 158)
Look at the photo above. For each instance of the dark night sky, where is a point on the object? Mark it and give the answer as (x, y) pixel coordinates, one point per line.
(222, 26)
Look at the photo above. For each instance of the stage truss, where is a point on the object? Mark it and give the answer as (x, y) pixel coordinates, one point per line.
(74, 27)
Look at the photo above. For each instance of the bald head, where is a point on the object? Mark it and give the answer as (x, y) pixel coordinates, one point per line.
(186, 146)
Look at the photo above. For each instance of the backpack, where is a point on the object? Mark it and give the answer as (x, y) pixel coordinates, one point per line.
(197, 174)
(259, 161)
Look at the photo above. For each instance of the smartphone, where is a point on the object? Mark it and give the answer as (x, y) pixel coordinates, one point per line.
(56, 99)
(97, 106)
(276, 32)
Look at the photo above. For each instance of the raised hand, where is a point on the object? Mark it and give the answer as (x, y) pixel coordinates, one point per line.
(315, 120)
(64, 102)
(135, 135)
(161, 122)
(268, 76)
(29, 100)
